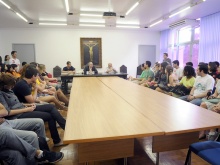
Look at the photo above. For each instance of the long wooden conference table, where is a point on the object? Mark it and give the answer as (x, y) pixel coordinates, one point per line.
(106, 114)
(65, 78)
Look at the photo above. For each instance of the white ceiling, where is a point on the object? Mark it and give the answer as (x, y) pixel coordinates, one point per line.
(146, 13)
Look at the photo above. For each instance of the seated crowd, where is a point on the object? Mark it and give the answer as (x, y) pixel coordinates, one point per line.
(28, 98)
(201, 88)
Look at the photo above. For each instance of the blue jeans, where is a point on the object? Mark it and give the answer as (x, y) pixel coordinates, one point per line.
(49, 114)
(194, 101)
(33, 128)
(19, 146)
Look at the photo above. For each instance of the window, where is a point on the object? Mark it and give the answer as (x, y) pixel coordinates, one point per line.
(185, 35)
(184, 45)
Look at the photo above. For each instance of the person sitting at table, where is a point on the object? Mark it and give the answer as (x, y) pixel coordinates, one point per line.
(68, 68)
(110, 69)
(90, 69)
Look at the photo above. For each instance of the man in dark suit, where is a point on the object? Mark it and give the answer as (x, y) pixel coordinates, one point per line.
(90, 69)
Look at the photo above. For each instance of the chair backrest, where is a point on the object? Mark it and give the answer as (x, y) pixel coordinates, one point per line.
(123, 69)
(139, 71)
(56, 71)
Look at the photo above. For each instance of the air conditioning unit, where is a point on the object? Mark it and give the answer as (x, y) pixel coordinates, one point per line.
(185, 22)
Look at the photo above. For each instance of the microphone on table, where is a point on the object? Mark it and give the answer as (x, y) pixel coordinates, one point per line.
(208, 94)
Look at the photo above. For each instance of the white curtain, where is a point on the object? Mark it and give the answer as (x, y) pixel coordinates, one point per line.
(209, 44)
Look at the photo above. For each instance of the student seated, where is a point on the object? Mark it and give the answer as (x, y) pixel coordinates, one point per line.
(149, 74)
(172, 80)
(212, 102)
(90, 69)
(68, 68)
(19, 144)
(162, 80)
(142, 76)
(212, 69)
(50, 81)
(178, 72)
(204, 83)
(110, 69)
(18, 110)
(185, 85)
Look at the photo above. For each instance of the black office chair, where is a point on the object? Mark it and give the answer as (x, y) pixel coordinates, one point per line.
(123, 69)
(56, 71)
(139, 71)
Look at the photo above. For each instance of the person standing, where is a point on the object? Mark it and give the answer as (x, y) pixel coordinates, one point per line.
(166, 59)
(14, 59)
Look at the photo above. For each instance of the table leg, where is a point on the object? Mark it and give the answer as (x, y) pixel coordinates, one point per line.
(125, 161)
(157, 158)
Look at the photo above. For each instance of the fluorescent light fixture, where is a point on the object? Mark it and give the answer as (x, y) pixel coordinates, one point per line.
(198, 19)
(91, 15)
(22, 17)
(179, 11)
(204, 0)
(67, 6)
(6, 5)
(127, 23)
(89, 21)
(53, 24)
(92, 25)
(156, 23)
(124, 26)
(132, 8)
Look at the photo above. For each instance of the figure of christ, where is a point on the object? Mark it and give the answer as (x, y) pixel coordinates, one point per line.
(91, 45)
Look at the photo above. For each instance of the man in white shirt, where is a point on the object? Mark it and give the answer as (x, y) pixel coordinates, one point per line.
(110, 69)
(178, 72)
(14, 59)
(204, 83)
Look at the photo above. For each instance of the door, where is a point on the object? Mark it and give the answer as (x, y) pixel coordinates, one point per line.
(25, 52)
(146, 53)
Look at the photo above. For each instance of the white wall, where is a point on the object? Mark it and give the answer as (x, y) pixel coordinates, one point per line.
(56, 46)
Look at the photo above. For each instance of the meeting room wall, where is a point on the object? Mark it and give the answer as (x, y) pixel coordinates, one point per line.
(56, 46)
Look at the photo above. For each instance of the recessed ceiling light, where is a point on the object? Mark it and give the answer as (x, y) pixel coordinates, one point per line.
(156, 23)
(6, 5)
(22, 17)
(92, 25)
(55, 24)
(67, 6)
(91, 15)
(179, 11)
(132, 8)
(127, 26)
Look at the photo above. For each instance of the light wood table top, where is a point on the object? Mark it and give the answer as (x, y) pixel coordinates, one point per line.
(97, 113)
(170, 114)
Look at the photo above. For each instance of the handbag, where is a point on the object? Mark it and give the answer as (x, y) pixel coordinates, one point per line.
(181, 90)
(164, 87)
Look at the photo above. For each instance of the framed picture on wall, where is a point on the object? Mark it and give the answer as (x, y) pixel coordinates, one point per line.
(91, 50)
